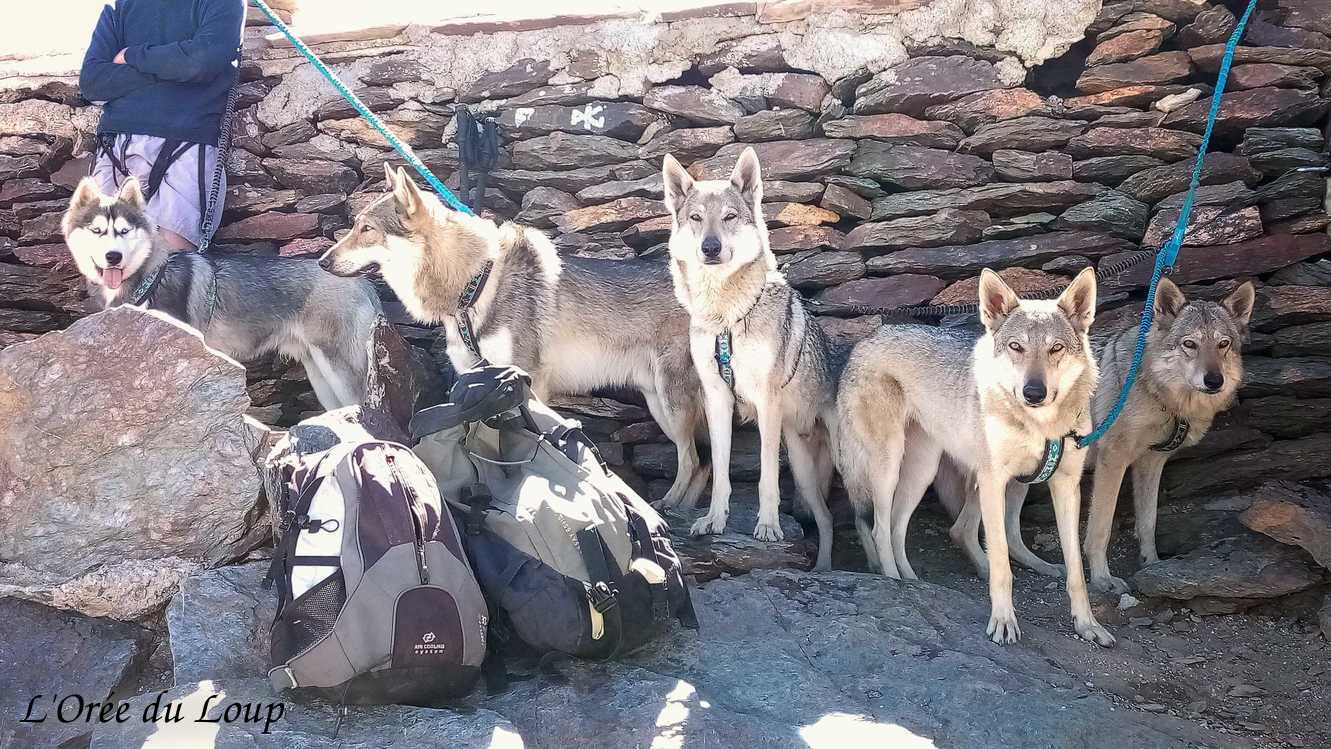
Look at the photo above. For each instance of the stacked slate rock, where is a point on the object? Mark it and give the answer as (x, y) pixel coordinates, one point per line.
(883, 187)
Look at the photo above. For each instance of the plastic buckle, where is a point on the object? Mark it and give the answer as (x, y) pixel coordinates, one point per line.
(477, 497)
(602, 597)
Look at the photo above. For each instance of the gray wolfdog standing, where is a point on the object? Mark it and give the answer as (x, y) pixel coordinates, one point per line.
(1191, 369)
(245, 306)
(753, 344)
(1000, 407)
(574, 324)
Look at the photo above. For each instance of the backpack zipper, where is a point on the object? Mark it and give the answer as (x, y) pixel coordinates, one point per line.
(421, 566)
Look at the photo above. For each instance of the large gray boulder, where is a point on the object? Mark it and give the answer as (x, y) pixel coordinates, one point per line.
(47, 655)
(782, 659)
(126, 461)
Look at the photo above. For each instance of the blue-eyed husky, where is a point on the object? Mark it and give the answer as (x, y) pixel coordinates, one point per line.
(245, 306)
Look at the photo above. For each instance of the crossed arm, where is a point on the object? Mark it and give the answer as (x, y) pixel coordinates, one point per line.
(111, 69)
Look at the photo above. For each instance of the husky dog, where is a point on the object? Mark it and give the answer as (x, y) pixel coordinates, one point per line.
(574, 324)
(753, 344)
(1191, 369)
(1000, 407)
(244, 306)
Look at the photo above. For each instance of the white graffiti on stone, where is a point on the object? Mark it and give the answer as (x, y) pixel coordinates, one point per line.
(591, 116)
(522, 115)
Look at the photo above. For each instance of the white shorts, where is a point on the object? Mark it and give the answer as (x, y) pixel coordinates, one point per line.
(178, 203)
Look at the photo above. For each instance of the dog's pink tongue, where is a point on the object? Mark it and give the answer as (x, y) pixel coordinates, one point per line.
(112, 277)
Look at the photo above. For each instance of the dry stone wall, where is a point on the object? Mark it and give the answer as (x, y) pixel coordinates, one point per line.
(906, 144)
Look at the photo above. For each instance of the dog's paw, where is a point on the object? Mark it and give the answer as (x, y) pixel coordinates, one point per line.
(1003, 628)
(1050, 569)
(768, 530)
(1109, 584)
(1093, 631)
(1148, 559)
(708, 525)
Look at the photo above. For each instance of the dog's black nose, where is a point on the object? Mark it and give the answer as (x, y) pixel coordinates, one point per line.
(711, 246)
(114, 258)
(1034, 392)
(1213, 381)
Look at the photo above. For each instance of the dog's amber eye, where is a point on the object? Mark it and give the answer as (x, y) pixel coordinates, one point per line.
(1057, 347)
(730, 217)
(1190, 344)
(1015, 346)
(695, 217)
(365, 228)
(97, 231)
(1223, 344)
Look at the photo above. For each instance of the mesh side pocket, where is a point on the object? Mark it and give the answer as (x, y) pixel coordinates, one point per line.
(308, 619)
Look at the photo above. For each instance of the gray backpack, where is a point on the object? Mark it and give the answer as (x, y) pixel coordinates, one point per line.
(376, 600)
(572, 560)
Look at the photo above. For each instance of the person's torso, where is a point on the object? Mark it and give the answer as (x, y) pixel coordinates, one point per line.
(189, 111)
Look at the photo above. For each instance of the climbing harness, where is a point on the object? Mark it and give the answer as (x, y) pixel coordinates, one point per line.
(1176, 438)
(466, 302)
(402, 149)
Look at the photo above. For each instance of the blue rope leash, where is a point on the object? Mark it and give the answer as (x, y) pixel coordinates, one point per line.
(1169, 253)
(402, 148)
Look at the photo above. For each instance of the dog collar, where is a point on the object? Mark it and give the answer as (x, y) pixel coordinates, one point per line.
(723, 354)
(466, 301)
(1053, 455)
(1176, 439)
(148, 285)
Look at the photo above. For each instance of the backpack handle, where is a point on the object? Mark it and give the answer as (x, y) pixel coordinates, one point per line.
(479, 394)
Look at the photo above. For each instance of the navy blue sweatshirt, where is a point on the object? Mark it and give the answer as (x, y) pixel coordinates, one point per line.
(180, 60)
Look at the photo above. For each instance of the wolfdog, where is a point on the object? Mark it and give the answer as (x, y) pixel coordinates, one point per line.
(245, 306)
(1000, 407)
(504, 294)
(1192, 367)
(753, 344)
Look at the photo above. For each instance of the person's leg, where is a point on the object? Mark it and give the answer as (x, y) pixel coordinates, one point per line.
(180, 201)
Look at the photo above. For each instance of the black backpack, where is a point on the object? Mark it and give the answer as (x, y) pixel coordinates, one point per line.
(572, 560)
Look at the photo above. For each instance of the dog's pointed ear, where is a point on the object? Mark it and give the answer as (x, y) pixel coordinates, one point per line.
(407, 195)
(390, 177)
(131, 192)
(1078, 300)
(678, 183)
(1239, 304)
(86, 194)
(747, 176)
(997, 300)
(1169, 302)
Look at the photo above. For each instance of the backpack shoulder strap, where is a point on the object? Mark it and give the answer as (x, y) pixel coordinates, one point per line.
(602, 594)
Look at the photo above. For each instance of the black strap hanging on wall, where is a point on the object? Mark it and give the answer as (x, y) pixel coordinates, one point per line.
(478, 152)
